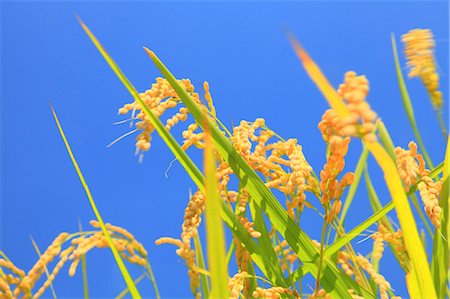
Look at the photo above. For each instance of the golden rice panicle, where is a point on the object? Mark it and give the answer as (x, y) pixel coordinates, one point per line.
(329, 185)
(361, 120)
(378, 244)
(64, 256)
(411, 166)
(379, 279)
(28, 282)
(236, 284)
(193, 138)
(8, 281)
(5, 289)
(209, 99)
(160, 98)
(419, 51)
(321, 294)
(249, 227)
(11, 267)
(192, 220)
(395, 239)
(251, 140)
(343, 261)
(407, 166)
(429, 192)
(272, 293)
(132, 243)
(125, 243)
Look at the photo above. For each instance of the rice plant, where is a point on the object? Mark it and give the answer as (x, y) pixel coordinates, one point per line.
(263, 211)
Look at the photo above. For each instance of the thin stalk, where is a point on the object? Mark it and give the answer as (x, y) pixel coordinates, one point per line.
(441, 122)
(36, 248)
(151, 276)
(84, 269)
(200, 261)
(419, 210)
(322, 246)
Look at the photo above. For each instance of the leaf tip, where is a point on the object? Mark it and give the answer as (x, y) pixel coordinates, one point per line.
(150, 52)
(301, 53)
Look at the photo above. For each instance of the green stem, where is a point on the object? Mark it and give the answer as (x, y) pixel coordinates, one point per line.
(322, 246)
(152, 279)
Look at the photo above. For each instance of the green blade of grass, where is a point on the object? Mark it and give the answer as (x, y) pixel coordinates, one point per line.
(407, 103)
(36, 248)
(300, 243)
(214, 227)
(351, 192)
(230, 252)
(348, 237)
(386, 140)
(228, 216)
(127, 290)
(441, 241)
(376, 206)
(264, 240)
(123, 269)
(200, 260)
(84, 270)
(356, 231)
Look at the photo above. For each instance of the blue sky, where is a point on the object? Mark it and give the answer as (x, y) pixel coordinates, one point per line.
(240, 48)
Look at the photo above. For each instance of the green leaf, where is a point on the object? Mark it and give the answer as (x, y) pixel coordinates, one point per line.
(441, 241)
(386, 140)
(351, 192)
(264, 240)
(84, 270)
(348, 237)
(126, 290)
(214, 227)
(201, 264)
(123, 269)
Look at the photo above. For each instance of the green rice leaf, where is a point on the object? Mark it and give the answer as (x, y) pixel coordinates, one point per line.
(352, 190)
(214, 227)
(200, 260)
(264, 240)
(126, 290)
(376, 206)
(348, 237)
(123, 269)
(407, 103)
(441, 241)
(84, 270)
(386, 140)
(333, 280)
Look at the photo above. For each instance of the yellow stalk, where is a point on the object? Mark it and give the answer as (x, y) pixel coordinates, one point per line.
(319, 79)
(420, 272)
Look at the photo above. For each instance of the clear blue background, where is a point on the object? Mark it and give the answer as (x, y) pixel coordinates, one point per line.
(241, 49)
